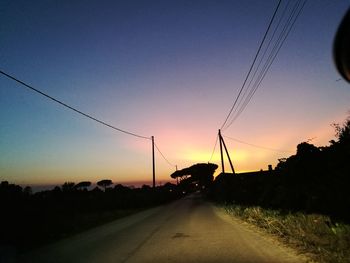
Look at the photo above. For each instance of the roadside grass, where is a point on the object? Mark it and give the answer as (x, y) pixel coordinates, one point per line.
(315, 235)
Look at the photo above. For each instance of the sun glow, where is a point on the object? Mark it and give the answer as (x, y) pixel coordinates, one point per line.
(196, 156)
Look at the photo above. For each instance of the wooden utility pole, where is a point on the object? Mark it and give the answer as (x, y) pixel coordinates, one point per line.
(177, 178)
(222, 157)
(153, 164)
(222, 142)
(228, 156)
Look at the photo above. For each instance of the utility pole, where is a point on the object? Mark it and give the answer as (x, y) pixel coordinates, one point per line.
(153, 164)
(222, 142)
(177, 178)
(222, 157)
(228, 156)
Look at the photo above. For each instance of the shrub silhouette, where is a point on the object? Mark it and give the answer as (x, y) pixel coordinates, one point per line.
(32, 219)
(315, 179)
(68, 187)
(27, 190)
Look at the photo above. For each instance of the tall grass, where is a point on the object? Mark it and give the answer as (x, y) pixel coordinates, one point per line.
(313, 234)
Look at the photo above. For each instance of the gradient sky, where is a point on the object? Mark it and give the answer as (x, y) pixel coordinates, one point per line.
(170, 69)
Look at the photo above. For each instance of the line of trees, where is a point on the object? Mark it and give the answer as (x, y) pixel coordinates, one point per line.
(84, 185)
(28, 219)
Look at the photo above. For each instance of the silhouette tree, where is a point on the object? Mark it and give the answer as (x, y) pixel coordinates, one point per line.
(57, 189)
(82, 185)
(105, 183)
(146, 187)
(307, 149)
(4, 184)
(68, 187)
(338, 154)
(342, 132)
(27, 190)
(121, 188)
(200, 173)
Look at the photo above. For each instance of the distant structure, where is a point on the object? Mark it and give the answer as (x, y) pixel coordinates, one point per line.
(270, 167)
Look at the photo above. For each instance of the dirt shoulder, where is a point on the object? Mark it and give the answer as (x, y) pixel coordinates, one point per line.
(315, 237)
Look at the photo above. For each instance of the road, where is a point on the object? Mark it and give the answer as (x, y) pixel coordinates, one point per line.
(188, 230)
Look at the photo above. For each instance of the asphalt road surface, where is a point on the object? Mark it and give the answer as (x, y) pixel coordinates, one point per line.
(188, 230)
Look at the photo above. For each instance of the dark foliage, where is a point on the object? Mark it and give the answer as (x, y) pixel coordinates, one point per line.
(201, 173)
(82, 185)
(105, 183)
(29, 220)
(314, 180)
(68, 186)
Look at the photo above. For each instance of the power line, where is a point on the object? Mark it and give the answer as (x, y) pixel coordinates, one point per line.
(82, 113)
(164, 156)
(278, 45)
(272, 56)
(72, 108)
(260, 61)
(212, 154)
(251, 92)
(257, 146)
(252, 65)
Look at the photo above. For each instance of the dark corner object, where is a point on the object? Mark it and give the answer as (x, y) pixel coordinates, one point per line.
(341, 47)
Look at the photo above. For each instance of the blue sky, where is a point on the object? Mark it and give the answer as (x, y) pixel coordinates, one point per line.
(171, 69)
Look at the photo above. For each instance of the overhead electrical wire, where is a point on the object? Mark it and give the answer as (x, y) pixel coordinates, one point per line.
(242, 99)
(252, 65)
(257, 146)
(260, 61)
(248, 74)
(82, 113)
(164, 156)
(247, 91)
(72, 108)
(289, 24)
(275, 50)
(212, 154)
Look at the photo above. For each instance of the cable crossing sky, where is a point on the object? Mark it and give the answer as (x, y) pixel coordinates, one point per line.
(280, 33)
(288, 25)
(84, 114)
(257, 73)
(252, 65)
(257, 146)
(173, 165)
(278, 28)
(212, 153)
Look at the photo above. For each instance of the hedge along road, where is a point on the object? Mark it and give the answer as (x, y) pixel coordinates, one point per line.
(188, 230)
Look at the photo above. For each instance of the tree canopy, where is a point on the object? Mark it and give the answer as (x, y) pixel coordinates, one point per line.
(82, 185)
(203, 173)
(105, 183)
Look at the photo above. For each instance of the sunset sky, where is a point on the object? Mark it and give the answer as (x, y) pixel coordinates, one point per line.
(168, 69)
